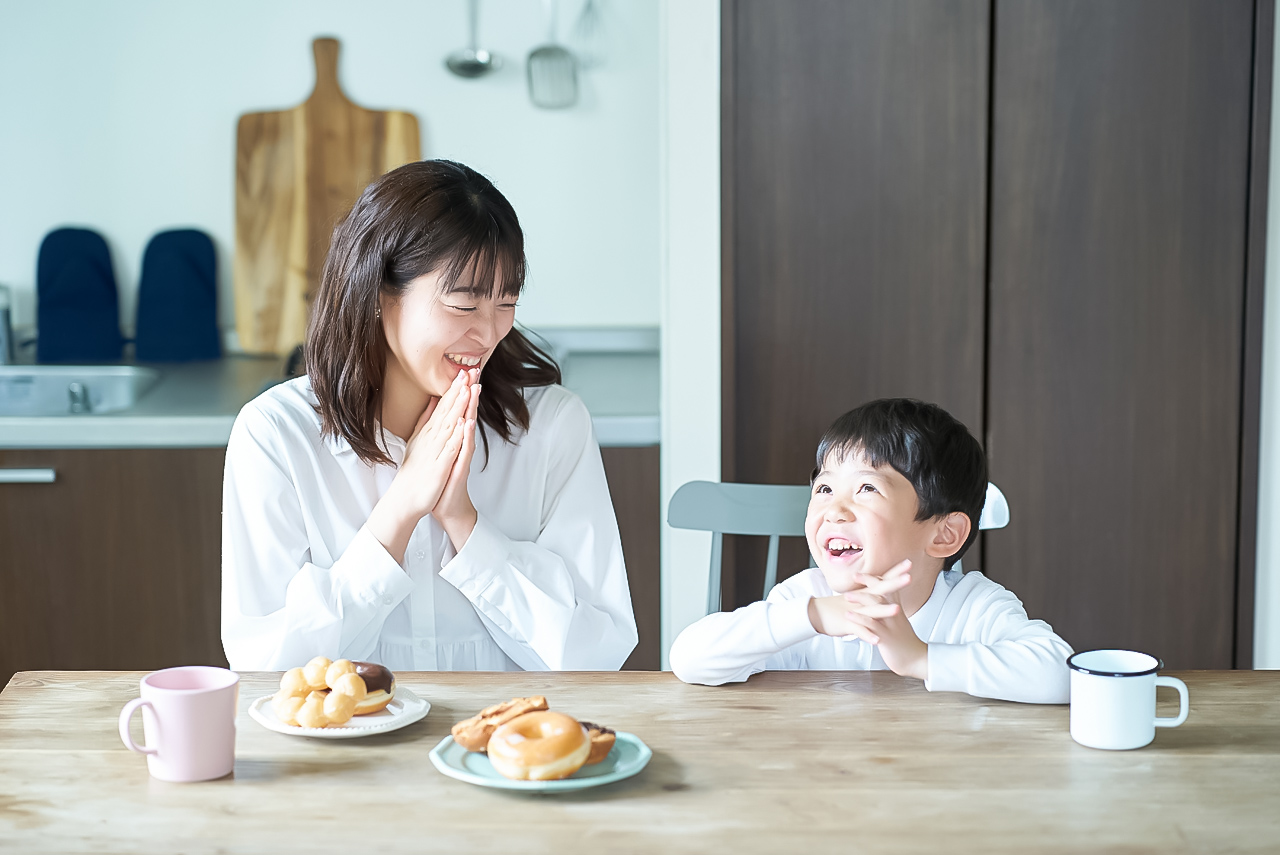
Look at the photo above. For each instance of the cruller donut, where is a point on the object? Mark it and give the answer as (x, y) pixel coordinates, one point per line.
(539, 746)
(473, 733)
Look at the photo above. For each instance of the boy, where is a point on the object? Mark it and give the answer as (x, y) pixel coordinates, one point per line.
(896, 495)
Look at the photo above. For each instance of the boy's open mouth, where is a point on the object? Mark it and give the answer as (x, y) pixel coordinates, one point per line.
(838, 547)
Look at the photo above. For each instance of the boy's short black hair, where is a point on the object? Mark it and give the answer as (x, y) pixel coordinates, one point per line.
(923, 443)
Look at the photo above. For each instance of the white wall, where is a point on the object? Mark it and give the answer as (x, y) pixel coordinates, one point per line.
(1266, 632)
(690, 292)
(121, 116)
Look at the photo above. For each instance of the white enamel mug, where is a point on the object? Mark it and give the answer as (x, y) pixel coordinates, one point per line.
(1113, 699)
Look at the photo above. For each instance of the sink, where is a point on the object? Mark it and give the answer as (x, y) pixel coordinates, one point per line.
(65, 390)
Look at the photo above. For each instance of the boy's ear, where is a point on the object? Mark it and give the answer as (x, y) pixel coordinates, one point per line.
(949, 534)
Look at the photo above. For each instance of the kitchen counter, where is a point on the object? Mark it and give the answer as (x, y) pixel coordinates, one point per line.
(193, 405)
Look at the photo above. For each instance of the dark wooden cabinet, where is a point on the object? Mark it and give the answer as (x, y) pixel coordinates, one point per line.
(1119, 220)
(633, 483)
(854, 164)
(1048, 217)
(116, 565)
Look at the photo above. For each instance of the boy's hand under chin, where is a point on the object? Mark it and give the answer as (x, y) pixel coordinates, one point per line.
(873, 613)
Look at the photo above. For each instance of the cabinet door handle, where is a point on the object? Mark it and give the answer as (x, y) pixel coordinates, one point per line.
(27, 476)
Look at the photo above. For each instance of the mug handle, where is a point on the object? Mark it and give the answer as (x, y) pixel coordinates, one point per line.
(125, 715)
(1184, 705)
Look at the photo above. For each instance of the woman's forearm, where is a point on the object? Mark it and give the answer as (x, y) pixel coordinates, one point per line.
(392, 523)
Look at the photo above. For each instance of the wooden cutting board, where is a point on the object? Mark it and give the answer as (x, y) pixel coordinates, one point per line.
(297, 174)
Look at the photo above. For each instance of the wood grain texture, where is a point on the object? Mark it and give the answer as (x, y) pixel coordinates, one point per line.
(1118, 221)
(114, 565)
(637, 503)
(855, 228)
(298, 172)
(787, 762)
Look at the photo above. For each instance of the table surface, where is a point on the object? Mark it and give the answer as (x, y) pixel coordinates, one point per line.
(789, 761)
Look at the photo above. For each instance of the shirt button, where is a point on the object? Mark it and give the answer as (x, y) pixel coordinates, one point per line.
(420, 555)
(386, 601)
(424, 644)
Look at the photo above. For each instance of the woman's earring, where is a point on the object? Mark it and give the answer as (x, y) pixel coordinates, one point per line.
(377, 313)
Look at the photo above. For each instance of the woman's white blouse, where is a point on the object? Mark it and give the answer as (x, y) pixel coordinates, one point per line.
(539, 585)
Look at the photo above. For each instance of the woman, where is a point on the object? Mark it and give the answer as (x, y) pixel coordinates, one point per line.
(360, 520)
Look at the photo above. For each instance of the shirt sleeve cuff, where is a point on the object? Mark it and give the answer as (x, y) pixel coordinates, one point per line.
(369, 572)
(789, 622)
(476, 564)
(948, 668)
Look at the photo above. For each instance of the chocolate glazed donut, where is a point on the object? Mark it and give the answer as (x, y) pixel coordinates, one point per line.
(380, 687)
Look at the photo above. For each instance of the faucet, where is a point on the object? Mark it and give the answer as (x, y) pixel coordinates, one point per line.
(7, 348)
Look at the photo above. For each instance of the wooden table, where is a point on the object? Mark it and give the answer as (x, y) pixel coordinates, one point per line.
(788, 762)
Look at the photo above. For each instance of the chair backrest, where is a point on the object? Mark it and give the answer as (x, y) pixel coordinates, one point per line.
(772, 510)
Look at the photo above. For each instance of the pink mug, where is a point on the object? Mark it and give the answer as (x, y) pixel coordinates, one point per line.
(189, 719)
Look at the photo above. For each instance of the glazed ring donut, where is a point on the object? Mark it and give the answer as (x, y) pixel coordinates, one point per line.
(539, 746)
(473, 733)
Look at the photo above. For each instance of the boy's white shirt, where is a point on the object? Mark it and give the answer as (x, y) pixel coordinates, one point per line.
(979, 636)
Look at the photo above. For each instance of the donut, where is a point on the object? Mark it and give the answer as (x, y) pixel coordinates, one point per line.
(314, 672)
(602, 739)
(539, 746)
(336, 669)
(311, 713)
(325, 692)
(473, 734)
(294, 682)
(338, 708)
(380, 687)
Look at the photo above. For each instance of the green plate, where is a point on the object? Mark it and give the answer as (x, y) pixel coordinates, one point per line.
(629, 756)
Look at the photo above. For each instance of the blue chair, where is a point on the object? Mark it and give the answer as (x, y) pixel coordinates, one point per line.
(771, 510)
(77, 304)
(178, 299)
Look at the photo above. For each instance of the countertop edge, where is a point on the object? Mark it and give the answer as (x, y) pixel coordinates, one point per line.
(86, 432)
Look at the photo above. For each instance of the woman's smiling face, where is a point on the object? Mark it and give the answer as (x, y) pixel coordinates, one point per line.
(431, 335)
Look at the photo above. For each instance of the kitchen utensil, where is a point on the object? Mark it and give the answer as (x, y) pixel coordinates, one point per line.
(189, 719)
(553, 72)
(297, 173)
(7, 350)
(77, 303)
(587, 34)
(472, 61)
(178, 299)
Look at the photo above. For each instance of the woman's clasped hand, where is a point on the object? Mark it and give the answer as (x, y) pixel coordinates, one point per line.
(432, 479)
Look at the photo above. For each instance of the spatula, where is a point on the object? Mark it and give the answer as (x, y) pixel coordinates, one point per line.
(553, 72)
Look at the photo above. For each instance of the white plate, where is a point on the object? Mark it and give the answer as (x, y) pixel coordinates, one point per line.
(405, 708)
(628, 756)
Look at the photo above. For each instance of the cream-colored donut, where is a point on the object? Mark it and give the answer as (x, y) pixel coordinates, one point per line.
(339, 708)
(315, 671)
(539, 746)
(294, 682)
(311, 713)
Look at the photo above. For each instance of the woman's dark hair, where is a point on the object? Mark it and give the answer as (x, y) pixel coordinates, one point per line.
(417, 219)
(923, 443)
